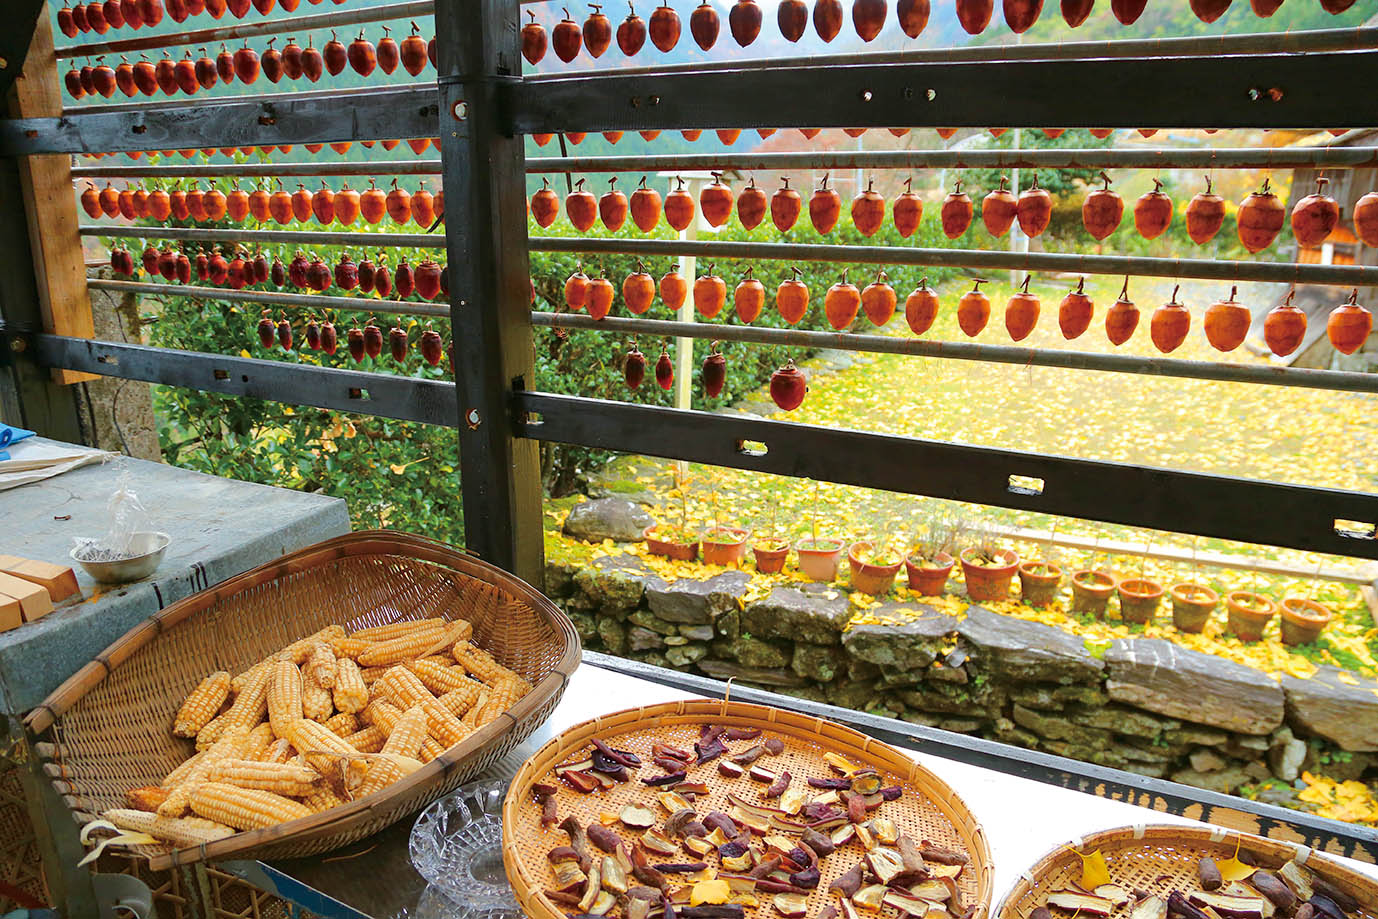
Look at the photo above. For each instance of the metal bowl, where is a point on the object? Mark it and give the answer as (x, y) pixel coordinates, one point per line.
(148, 549)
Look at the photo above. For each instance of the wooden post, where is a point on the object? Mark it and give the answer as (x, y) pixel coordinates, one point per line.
(490, 298)
(50, 205)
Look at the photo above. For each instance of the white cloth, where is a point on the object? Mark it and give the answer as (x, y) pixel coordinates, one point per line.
(35, 459)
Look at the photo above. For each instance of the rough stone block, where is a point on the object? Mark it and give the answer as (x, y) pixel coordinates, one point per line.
(649, 620)
(938, 672)
(912, 645)
(1195, 735)
(1226, 782)
(1131, 722)
(558, 580)
(1206, 760)
(607, 518)
(585, 625)
(685, 655)
(985, 699)
(613, 633)
(697, 632)
(754, 652)
(1026, 652)
(1323, 706)
(1162, 677)
(763, 676)
(817, 616)
(696, 602)
(613, 584)
(1286, 755)
(729, 624)
(851, 693)
(1052, 727)
(640, 639)
(817, 662)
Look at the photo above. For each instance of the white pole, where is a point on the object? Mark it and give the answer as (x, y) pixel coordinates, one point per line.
(684, 347)
(1018, 241)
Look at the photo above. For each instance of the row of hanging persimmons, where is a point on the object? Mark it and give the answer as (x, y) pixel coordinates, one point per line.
(1259, 219)
(1226, 322)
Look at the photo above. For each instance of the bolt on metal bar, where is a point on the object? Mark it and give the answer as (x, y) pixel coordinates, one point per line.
(288, 26)
(271, 237)
(1213, 46)
(262, 170)
(266, 99)
(1341, 381)
(362, 303)
(1133, 266)
(1146, 158)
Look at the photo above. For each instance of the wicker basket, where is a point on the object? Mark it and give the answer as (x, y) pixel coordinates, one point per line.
(110, 721)
(927, 810)
(1160, 858)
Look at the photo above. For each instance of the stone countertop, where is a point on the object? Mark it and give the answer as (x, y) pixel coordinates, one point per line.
(219, 528)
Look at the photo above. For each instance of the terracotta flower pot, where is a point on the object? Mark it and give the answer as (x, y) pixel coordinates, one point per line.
(1249, 614)
(771, 555)
(1303, 620)
(1192, 605)
(929, 578)
(1091, 592)
(670, 548)
(989, 583)
(818, 558)
(867, 577)
(724, 546)
(1139, 600)
(1038, 582)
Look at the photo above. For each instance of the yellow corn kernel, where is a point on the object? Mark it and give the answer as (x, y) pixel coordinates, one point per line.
(459, 701)
(320, 666)
(260, 739)
(367, 740)
(245, 808)
(371, 674)
(382, 714)
(279, 752)
(229, 746)
(329, 755)
(350, 691)
(279, 778)
(202, 704)
(408, 733)
(323, 798)
(240, 679)
(439, 678)
(349, 647)
(406, 648)
(403, 688)
(176, 776)
(501, 697)
(284, 696)
(342, 725)
(316, 701)
(479, 662)
(300, 650)
(211, 732)
(397, 629)
(251, 705)
(430, 749)
(180, 831)
(384, 771)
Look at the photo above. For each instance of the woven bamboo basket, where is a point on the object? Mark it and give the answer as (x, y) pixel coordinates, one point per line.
(1159, 859)
(110, 723)
(928, 809)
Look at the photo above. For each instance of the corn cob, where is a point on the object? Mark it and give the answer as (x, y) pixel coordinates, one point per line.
(237, 684)
(245, 808)
(179, 773)
(329, 755)
(284, 696)
(342, 725)
(350, 692)
(370, 675)
(501, 697)
(202, 704)
(323, 798)
(320, 666)
(260, 739)
(397, 629)
(384, 771)
(300, 650)
(440, 678)
(146, 798)
(471, 717)
(279, 752)
(211, 732)
(406, 648)
(385, 715)
(459, 701)
(180, 831)
(408, 733)
(251, 705)
(367, 740)
(316, 701)
(279, 778)
(230, 746)
(403, 688)
(479, 662)
(349, 647)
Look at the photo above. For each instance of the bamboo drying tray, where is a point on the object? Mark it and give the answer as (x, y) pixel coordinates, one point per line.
(927, 810)
(1160, 858)
(110, 723)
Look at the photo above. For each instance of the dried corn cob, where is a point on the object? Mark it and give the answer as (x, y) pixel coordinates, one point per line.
(211, 732)
(403, 688)
(279, 752)
(479, 662)
(408, 733)
(397, 629)
(260, 739)
(384, 771)
(350, 691)
(230, 746)
(244, 808)
(251, 705)
(237, 683)
(327, 754)
(349, 647)
(459, 701)
(176, 776)
(320, 666)
(147, 798)
(202, 704)
(501, 696)
(440, 678)
(385, 715)
(371, 674)
(367, 740)
(279, 778)
(406, 648)
(342, 724)
(298, 651)
(316, 701)
(180, 831)
(323, 798)
(284, 696)
(471, 717)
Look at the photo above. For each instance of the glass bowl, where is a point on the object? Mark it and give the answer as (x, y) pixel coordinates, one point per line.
(456, 845)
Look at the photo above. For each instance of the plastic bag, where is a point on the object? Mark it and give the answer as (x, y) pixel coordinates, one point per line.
(127, 517)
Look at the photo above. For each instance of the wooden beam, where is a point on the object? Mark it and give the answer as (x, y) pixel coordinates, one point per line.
(50, 205)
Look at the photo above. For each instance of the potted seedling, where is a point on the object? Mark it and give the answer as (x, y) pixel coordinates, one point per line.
(675, 542)
(988, 569)
(1303, 620)
(770, 550)
(1249, 614)
(1192, 605)
(1139, 599)
(873, 567)
(723, 545)
(1091, 591)
(930, 561)
(818, 557)
(1039, 580)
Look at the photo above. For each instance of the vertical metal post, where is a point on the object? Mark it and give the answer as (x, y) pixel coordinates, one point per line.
(485, 236)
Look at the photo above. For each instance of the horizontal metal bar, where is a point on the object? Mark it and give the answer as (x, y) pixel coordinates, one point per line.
(1324, 834)
(378, 167)
(1292, 516)
(292, 25)
(1211, 45)
(1246, 91)
(272, 237)
(1130, 158)
(381, 394)
(174, 104)
(1342, 381)
(287, 118)
(1134, 266)
(361, 304)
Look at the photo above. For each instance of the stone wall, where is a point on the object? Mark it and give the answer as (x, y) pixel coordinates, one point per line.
(1145, 705)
